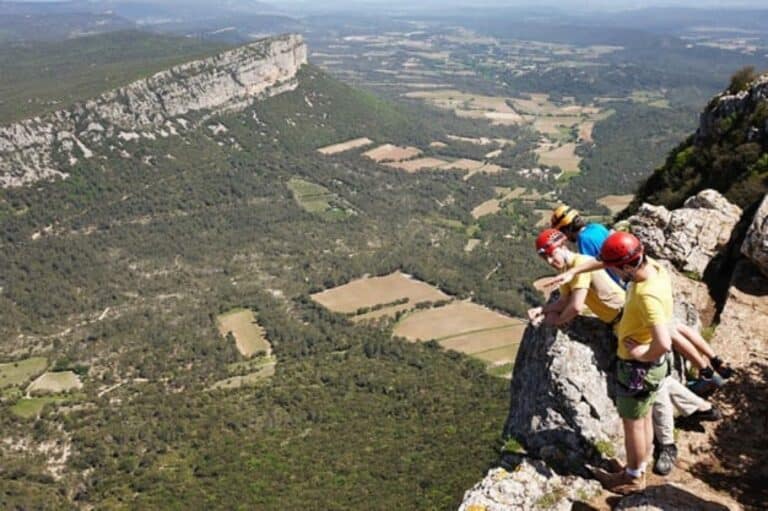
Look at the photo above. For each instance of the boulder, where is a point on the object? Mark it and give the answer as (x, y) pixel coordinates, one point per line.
(690, 236)
(560, 405)
(531, 485)
(755, 246)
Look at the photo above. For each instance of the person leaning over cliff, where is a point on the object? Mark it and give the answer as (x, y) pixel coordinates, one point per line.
(589, 239)
(606, 299)
(595, 290)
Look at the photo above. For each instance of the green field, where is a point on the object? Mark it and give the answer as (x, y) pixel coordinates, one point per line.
(314, 198)
(27, 408)
(22, 371)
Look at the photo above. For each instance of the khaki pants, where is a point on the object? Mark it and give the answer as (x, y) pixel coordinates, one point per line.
(672, 397)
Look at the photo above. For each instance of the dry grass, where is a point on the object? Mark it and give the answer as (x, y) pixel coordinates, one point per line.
(249, 335)
(488, 207)
(450, 320)
(564, 156)
(345, 146)
(389, 152)
(481, 342)
(615, 203)
(371, 291)
(55, 382)
(499, 355)
(418, 164)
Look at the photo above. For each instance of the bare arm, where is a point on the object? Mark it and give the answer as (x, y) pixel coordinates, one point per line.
(573, 308)
(660, 344)
(567, 276)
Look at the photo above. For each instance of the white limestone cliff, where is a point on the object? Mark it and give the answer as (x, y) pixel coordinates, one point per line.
(157, 106)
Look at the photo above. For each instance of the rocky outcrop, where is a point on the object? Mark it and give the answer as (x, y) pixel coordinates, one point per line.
(531, 485)
(755, 245)
(560, 405)
(691, 236)
(727, 105)
(159, 106)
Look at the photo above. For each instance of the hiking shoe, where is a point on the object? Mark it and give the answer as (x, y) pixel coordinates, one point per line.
(666, 460)
(711, 415)
(722, 369)
(620, 482)
(704, 387)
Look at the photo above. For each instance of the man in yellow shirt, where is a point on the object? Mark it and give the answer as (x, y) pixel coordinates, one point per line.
(644, 338)
(595, 290)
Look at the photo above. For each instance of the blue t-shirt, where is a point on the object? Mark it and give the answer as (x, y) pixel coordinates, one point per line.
(591, 240)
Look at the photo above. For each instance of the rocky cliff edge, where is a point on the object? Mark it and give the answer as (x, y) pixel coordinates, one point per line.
(161, 105)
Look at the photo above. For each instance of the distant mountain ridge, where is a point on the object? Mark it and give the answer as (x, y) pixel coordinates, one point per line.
(728, 152)
(44, 147)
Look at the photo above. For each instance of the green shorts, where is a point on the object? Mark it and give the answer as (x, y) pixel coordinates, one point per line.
(634, 399)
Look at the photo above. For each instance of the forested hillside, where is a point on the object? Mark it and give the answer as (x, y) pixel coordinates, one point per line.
(118, 272)
(729, 151)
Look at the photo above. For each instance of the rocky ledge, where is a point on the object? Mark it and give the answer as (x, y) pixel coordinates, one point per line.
(161, 105)
(561, 413)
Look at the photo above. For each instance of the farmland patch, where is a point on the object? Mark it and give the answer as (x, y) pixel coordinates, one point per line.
(345, 146)
(249, 335)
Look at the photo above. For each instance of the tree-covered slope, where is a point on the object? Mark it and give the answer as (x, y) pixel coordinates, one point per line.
(729, 151)
(119, 271)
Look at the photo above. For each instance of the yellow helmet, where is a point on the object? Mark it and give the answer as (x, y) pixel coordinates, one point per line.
(562, 216)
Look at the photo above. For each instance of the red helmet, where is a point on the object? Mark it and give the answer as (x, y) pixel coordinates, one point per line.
(621, 248)
(548, 241)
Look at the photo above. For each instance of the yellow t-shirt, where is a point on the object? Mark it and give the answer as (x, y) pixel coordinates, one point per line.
(648, 303)
(605, 298)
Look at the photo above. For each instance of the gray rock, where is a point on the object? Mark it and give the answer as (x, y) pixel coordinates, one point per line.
(725, 105)
(560, 405)
(44, 147)
(691, 236)
(755, 246)
(531, 485)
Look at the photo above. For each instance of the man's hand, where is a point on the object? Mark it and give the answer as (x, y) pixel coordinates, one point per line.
(536, 315)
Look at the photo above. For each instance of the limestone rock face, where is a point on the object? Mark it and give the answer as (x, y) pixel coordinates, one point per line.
(560, 405)
(726, 105)
(755, 245)
(532, 485)
(158, 106)
(691, 236)
(561, 392)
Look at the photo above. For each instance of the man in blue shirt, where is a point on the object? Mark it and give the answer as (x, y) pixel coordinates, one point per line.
(588, 237)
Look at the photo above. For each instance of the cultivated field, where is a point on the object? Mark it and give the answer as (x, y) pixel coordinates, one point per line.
(418, 164)
(492, 206)
(462, 326)
(21, 371)
(55, 383)
(249, 336)
(345, 146)
(615, 203)
(372, 291)
(564, 156)
(314, 198)
(389, 152)
(476, 106)
(450, 320)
